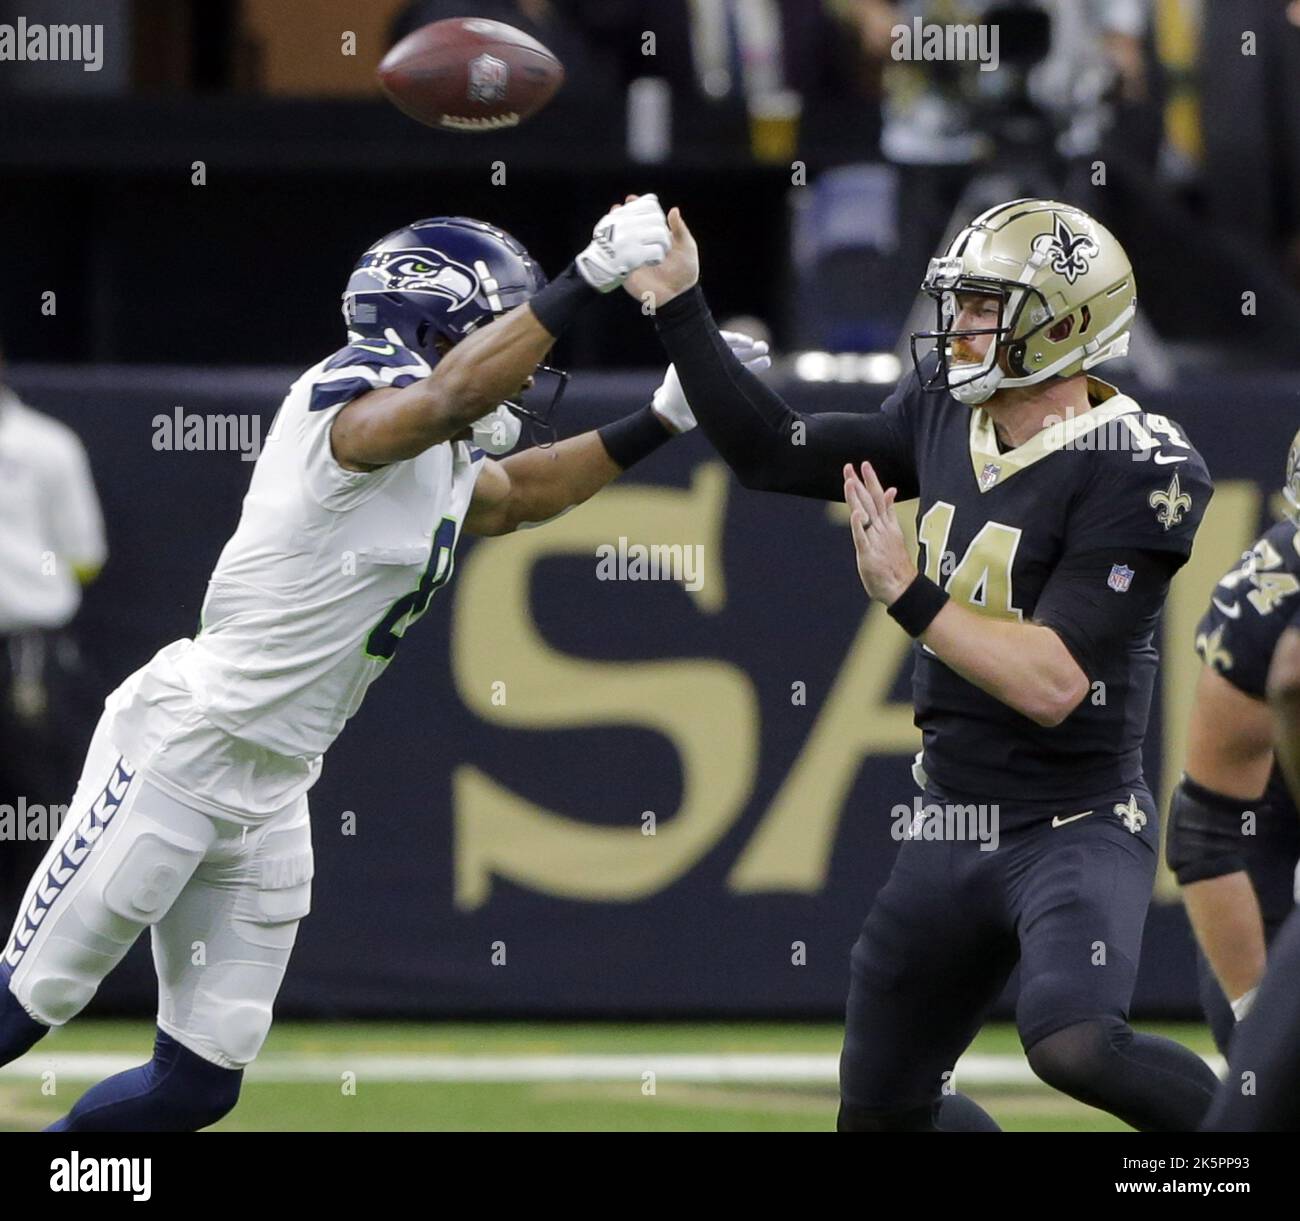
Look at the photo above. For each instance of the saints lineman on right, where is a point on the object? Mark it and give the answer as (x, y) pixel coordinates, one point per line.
(1261, 1089)
(1233, 839)
(1053, 514)
(191, 815)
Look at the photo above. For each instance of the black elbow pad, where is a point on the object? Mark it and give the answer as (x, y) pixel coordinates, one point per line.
(1204, 837)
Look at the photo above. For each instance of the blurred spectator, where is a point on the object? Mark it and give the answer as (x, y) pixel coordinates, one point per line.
(1251, 128)
(741, 57)
(1229, 181)
(1177, 29)
(51, 542)
(1092, 54)
(724, 49)
(960, 139)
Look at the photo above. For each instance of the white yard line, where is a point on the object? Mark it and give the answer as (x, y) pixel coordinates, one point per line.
(737, 1068)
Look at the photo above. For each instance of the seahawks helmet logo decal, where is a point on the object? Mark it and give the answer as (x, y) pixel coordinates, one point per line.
(1070, 252)
(422, 269)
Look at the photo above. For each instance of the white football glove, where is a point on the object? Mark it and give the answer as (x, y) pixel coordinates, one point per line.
(627, 237)
(669, 402)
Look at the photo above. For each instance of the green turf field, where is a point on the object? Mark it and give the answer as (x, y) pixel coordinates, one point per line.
(541, 1077)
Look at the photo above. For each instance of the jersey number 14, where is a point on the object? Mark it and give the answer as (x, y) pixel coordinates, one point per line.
(982, 578)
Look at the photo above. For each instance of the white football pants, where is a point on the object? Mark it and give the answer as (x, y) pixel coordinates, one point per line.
(223, 903)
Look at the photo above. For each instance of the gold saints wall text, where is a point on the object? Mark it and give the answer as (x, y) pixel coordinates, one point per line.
(708, 709)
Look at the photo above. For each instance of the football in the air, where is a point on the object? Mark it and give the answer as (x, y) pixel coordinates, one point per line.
(469, 74)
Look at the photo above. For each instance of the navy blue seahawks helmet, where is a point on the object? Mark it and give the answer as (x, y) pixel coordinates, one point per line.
(443, 276)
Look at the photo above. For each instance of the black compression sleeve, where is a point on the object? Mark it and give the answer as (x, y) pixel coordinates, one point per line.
(634, 437)
(556, 305)
(769, 445)
(1204, 837)
(1091, 615)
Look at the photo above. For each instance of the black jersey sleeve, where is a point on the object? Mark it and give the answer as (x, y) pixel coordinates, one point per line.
(1250, 608)
(767, 443)
(1152, 500)
(1097, 601)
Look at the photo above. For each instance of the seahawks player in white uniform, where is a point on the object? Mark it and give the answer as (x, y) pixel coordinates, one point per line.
(191, 814)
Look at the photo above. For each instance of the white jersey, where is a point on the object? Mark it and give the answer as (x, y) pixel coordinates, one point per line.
(50, 523)
(306, 605)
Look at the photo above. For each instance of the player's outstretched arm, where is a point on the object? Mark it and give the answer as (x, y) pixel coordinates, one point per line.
(1025, 665)
(487, 367)
(1229, 758)
(770, 446)
(537, 484)
(1229, 928)
(495, 362)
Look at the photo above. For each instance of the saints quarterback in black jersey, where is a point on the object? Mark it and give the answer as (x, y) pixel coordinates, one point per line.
(1233, 839)
(1053, 512)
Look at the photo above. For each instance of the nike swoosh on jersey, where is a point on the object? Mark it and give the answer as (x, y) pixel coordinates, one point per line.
(1058, 821)
(1162, 461)
(1233, 612)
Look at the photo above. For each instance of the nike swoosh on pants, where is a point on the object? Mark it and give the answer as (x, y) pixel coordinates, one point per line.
(1058, 821)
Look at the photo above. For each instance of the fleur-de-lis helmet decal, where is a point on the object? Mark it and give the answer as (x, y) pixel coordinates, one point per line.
(1070, 252)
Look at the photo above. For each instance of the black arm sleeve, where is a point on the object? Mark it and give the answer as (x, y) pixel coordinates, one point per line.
(1205, 835)
(770, 446)
(1093, 618)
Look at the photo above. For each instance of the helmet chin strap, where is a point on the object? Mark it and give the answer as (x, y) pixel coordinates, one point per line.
(979, 389)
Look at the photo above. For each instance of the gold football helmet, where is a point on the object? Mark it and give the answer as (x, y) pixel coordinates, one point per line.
(1066, 292)
(1291, 488)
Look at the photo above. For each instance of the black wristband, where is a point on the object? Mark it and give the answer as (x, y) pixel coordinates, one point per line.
(915, 608)
(558, 303)
(634, 436)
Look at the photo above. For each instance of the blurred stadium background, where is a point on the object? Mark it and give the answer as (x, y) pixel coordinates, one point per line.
(496, 942)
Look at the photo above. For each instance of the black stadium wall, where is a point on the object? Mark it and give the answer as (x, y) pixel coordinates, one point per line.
(577, 796)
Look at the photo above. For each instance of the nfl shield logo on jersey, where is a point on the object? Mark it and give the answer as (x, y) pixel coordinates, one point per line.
(989, 475)
(1121, 577)
(488, 77)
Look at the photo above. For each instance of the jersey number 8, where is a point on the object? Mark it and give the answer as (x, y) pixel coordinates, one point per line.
(381, 644)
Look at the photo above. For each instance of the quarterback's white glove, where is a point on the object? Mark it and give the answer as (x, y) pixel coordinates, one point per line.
(627, 237)
(669, 402)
